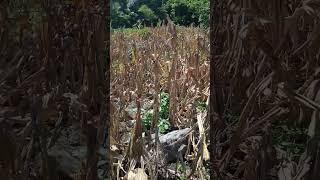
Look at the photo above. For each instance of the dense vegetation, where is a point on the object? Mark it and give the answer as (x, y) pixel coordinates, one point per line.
(135, 13)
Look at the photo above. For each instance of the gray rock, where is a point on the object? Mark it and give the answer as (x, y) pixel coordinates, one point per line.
(174, 144)
(174, 136)
(69, 158)
(66, 163)
(132, 107)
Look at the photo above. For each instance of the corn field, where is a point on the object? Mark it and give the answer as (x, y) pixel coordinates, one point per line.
(265, 70)
(238, 101)
(264, 76)
(161, 60)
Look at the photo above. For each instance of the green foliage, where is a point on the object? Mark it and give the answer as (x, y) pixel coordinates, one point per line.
(121, 16)
(201, 106)
(164, 107)
(148, 15)
(180, 12)
(181, 168)
(147, 120)
(187, 12)
(289, 139)
(232, 116)
(133, 13)
(201, 9)
(129, 32)
(164, 124)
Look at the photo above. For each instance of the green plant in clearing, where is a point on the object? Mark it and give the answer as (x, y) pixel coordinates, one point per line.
(201, 106)
(147, 120)
(181, 169)
(164, 105)
(163, 124)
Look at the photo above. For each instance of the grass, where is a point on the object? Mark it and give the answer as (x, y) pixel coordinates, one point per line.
(131, 32)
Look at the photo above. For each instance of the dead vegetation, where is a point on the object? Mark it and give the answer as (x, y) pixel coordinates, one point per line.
(147, 65)
(266, 72)
(265, 95)
(53, 96)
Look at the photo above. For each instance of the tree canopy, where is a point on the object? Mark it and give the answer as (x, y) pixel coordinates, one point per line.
(134, 13)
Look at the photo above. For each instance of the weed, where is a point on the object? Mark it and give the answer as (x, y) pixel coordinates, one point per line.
(164, 107)
(201, 106)
(129, 32)
(181, 168)
(164, 124)
(147, 120)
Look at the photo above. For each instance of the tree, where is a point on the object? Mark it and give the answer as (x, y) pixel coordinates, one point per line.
(182, 12)
(121, 16)
(148, 15)
(187, 12)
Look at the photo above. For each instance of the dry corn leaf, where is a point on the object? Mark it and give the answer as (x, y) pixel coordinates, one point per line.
(200, 121)
(137, 174)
